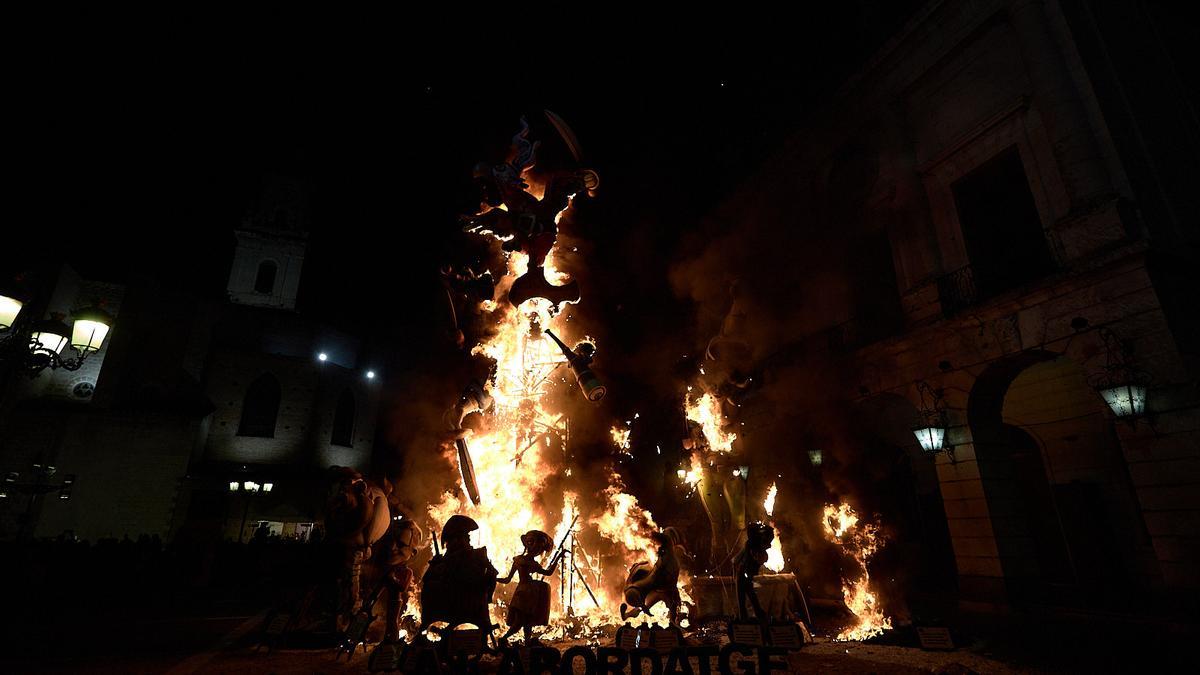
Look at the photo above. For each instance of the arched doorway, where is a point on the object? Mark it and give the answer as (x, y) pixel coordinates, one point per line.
(1066, 523)
(917, 563)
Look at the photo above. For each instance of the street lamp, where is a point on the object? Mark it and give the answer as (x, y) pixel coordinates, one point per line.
(251, 488)
(1120, 382)
(34, 345)
(931, 431)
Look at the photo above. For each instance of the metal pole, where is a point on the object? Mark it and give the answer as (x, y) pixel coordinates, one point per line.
(246, 510)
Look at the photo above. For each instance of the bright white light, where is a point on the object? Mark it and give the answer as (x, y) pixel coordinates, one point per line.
(250, 486)
(930, 438)
(370, 374)
(50, 341)
(322, 356)
(681, 473)
(1126, 400)
(267, 487)
(88, 335)
(233, 486)
(9, 309)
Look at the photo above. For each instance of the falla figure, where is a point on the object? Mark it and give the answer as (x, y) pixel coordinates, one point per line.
(530, 605)
(647, 585)
(748, 565)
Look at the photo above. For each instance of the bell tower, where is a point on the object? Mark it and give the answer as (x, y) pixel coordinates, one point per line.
(270, 247)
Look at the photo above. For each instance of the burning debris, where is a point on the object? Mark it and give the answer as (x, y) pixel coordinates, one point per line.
(859, 541)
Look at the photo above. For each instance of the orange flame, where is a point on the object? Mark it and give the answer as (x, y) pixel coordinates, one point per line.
(860, 541)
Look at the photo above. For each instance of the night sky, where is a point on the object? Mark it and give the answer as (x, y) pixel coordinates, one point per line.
(138, 157)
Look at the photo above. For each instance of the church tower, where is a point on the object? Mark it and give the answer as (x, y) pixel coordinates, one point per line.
(270, 247)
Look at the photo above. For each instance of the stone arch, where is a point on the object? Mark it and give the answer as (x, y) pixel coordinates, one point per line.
(1061, 506)
(265, 276)
(919, 559)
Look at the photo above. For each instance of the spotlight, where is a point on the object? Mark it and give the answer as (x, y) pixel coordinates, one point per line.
(322, 356)
(370, 374)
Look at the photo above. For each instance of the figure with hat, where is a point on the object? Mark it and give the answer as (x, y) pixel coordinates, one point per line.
(530, 605)
(458, 584)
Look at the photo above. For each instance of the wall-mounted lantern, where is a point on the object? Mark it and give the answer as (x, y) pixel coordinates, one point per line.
(1121, 383)
(815, 457)
(931, 430)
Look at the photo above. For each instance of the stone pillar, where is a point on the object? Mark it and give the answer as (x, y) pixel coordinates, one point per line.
(976, 555)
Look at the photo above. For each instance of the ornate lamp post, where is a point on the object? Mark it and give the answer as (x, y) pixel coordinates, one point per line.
(34, 345)
(251, 489)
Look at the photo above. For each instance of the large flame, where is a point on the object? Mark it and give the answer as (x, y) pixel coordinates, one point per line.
(522, 446)
(705, 410)
(859, 541)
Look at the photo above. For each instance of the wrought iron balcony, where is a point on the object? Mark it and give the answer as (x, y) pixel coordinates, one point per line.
(957, 291)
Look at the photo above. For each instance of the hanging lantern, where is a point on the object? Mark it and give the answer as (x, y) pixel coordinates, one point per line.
(931, 438)
(1121, 384)
(931, 430)
(1126, 400)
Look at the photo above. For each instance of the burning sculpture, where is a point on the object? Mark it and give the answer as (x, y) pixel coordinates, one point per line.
(458, 584)
(509, 434)
(356, 517)
(648, 585)
(530, 605)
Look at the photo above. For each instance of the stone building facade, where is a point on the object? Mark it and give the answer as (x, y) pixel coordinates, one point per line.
(987, 211)
(190, 395)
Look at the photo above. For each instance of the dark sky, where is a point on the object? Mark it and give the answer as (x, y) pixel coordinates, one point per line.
(140, 158)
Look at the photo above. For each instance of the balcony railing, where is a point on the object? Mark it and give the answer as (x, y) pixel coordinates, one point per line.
(957, 291)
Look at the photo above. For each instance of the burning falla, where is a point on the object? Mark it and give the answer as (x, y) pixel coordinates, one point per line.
(859, 541)
(519, 477)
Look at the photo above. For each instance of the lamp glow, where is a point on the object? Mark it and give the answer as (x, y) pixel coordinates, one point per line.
(250, 486)
(267, 487)
(1126, 400)
(9, 309)
(930, 438)
(49, 341)
(233, 486)
(322, 356)
(91, 327)
(370, 374)
(815, 457)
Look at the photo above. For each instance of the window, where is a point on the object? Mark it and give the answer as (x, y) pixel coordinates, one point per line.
(343, 421)
(264, 282)
(1001, 228)
(260, 409)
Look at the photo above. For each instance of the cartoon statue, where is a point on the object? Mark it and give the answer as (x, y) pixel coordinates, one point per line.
(528, 224)
(647, 585)
(530, 605)
(749, 563)
(356, 516)
(401, 542)
(458, 584)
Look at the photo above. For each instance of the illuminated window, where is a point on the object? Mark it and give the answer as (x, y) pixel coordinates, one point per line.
(264, 282)
(260, 409)
(343, 421)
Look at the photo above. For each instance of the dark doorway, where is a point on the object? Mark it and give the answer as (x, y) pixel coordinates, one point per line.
(260, 408)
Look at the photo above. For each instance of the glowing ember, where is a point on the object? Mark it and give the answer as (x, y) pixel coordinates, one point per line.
(706, 411)
(859, 541)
